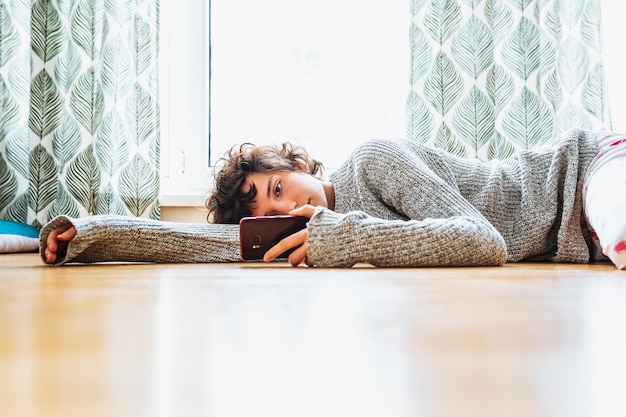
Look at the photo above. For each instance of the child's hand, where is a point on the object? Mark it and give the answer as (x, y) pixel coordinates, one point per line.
(296, 240)
(63, 233)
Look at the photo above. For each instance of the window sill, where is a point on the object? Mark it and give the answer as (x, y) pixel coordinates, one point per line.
(176, 194)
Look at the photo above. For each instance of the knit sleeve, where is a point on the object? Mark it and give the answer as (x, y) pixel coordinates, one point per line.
(342, 240)
(127, 239)
(435, 225)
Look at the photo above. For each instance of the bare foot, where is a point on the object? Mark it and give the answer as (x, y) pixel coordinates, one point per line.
(63, 234)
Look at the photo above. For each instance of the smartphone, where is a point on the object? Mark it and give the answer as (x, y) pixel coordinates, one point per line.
(258, 234)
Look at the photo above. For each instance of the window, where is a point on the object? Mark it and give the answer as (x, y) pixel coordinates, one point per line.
(327, 74)
(321, 73)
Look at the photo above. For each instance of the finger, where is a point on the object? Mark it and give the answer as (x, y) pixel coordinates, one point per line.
(306, 211)
(298, 256)
(50, 257)
(290, 242)
(67, 235)
(51, 240)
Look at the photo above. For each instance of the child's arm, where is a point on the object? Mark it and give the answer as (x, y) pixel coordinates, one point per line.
(128, 239)
(346, 239)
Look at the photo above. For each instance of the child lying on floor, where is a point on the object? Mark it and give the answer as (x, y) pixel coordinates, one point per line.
(391, 204)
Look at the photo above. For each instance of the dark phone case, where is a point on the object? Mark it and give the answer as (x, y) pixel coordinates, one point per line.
(258, 234)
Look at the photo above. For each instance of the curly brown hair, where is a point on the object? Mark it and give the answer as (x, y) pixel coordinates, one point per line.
(228, 203)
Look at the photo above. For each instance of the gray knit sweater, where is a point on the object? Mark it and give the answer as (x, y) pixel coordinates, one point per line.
(398, 204)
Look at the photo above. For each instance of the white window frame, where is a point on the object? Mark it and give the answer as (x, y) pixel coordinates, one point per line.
(184, 62)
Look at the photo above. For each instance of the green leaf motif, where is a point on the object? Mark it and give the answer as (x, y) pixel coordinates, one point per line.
(573, 64)
(472, 48)
(138, 185)
(117, 70)
(153, 81)
(520, 52)
(66, 141)
(415, 6)
(109, 203)
(9, 184)
(553, 92)
(528, 120)
(594, 95)
(86, 26)
(83, 179)
(120, 10)
(9, 110)
(547, 53)
(46, 105)
(17, 149)
(63, 205)
(106, 30)
(590, 30)
(421, 54)
(155, 213)
(112, 144)
(147, 45)
(571, 11)
(87, 101)
(67, 68)
(419, 120)
(10, 40)
(500, 148)
(154, 152)
(553, 25)
(443, 85)
(65, 8)
(474, 120)
(499, 18)
(442, 19)
(47, 33)
(541, 4)
(570, 117)
(444, 139)
(154, 12)
(500, 87)
(521, 4)
(20, 13)
(19, 77)
(42, 185)
(142, 115)
(18, 210)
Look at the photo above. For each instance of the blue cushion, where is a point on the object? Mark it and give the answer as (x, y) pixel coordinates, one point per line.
(17, 237)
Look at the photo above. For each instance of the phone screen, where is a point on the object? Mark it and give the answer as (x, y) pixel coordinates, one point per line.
(258, 234)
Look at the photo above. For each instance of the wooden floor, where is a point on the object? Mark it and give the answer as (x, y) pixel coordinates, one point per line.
(527, 340)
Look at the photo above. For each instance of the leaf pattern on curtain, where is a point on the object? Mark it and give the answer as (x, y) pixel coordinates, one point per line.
(490, 77)
(79, 106)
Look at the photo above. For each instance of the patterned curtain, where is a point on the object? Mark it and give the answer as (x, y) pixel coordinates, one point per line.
(489, 77)
(79, 108)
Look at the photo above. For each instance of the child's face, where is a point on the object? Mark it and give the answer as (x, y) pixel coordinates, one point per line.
(279, 192)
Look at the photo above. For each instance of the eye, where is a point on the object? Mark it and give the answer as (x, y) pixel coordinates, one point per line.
(277, 188)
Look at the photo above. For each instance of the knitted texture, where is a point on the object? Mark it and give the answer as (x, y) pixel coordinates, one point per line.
(130, 239)
(427, 208)
(397, 204)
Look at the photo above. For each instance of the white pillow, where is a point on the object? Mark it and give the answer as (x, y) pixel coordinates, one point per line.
(18, 237)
